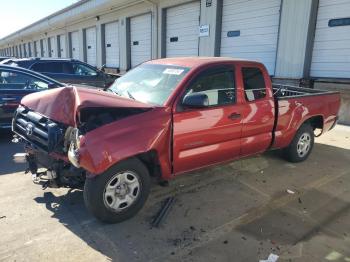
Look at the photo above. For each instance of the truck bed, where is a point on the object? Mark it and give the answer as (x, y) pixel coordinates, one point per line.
(287, 91)
(294, 105)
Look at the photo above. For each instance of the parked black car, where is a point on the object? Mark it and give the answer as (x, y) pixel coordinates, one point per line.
(15, 83)
(70, 71)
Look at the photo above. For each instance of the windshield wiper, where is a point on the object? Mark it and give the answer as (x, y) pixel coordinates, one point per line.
(130, 95)
(110, 90)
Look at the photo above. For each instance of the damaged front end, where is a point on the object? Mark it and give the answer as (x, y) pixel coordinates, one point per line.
(47, 145)
(52, 131)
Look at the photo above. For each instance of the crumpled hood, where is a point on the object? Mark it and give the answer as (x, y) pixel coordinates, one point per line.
(63, 104)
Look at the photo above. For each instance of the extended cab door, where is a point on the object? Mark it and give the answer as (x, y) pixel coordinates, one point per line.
(207, 135)
(258, 111)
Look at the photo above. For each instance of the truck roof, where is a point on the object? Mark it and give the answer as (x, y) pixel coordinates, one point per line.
(197, 61)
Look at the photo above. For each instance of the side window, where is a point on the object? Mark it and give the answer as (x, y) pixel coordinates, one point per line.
(83, 70)
(67, 68)
(254, 83)
(48, 67)
(15, 80)
(219, 87)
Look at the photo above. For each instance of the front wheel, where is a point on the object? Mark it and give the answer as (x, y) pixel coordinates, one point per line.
(119, 193)
(301, 145)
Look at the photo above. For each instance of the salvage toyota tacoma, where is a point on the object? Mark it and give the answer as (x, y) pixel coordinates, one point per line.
(164, 118)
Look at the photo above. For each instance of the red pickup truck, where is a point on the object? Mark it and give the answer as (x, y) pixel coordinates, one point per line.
(164, 118)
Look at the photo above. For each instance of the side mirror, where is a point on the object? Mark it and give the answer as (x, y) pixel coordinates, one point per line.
(103, 67)
(196, 100)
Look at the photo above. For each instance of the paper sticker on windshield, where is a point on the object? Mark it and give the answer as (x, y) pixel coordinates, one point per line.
(173, 71)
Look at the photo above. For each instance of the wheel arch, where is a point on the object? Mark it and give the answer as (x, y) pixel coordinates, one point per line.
(151, 160)
(316, 121)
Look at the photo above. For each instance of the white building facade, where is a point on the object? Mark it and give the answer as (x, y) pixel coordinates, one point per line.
(295, 39)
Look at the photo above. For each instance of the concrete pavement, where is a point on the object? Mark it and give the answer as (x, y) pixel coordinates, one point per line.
(236, 212)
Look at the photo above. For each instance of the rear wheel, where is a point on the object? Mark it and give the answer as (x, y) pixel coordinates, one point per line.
(301, 145)
(119, 193)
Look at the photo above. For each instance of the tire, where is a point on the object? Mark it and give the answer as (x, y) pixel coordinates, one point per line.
(99, 191)
(294, 152)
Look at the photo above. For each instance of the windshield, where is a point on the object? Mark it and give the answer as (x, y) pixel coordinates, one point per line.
(149, 83)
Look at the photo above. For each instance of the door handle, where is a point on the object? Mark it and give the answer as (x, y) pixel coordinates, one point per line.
(234, 116)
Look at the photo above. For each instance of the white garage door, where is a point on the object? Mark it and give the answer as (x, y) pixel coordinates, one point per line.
(112, 44)
(140, 36)
(30, 49)
(25, 48)
(331, 53)
(182, 24)
(45, 48)
(250, 30)
(75, 45)
(36, 49)
(91, 46)
(53, 47)
(63, 49)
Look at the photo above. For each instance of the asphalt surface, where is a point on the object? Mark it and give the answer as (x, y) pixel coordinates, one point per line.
(242, 211)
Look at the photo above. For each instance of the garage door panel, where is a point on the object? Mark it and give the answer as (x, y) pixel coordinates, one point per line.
(53, 51)
(183, 11)
(45, 48)
(75, 45)
(182, 34)
(335, 11)
(332, 3)
(258, 24)
(257, 15)
(112, 44)
(257, 49)
(63, 48)
(246, 41)
(331, 66)
(331, 45)
(336, 73)
(91, 46)
(331, 50)
(255, 33)
(249, 23)
(140, 38)
(251, 6)
(267, 39)
(186, 34)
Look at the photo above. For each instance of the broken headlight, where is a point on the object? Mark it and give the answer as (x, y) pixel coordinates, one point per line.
(72, 143)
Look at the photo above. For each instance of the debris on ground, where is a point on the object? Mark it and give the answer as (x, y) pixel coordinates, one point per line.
(271, 258)
(163, 212)
(299, 200)
(290, 191)
(186, 238)
(2, 217)
(164, 183)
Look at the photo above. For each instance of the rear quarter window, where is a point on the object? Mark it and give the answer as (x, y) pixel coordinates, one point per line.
(254, 83)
